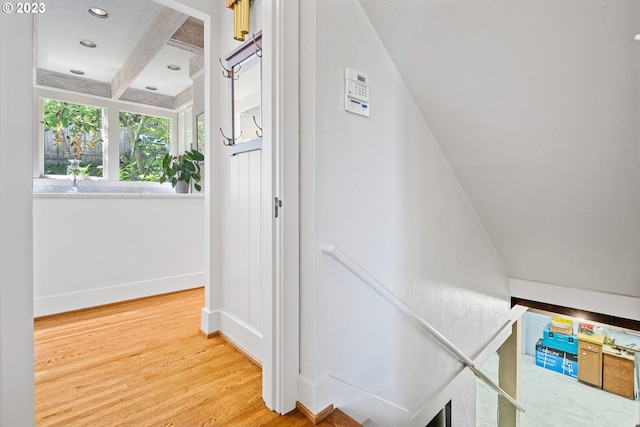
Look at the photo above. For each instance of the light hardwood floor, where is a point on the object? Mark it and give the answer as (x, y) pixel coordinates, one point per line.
(145, 363)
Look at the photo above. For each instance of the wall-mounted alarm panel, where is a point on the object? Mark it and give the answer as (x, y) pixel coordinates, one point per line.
(356, 92)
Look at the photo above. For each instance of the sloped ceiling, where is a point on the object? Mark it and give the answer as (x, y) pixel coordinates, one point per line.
(535, 106)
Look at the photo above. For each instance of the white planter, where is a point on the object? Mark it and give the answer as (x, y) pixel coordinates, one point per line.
(182, 187)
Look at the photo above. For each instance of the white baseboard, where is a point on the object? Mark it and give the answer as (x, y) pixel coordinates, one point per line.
(242, 335)
(209, 321)
(60, 303)
(355, 402)
(362, 406)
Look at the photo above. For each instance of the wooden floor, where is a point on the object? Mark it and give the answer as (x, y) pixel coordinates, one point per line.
(145, 363)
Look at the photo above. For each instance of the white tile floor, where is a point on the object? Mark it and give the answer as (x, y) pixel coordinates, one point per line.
(555, 400)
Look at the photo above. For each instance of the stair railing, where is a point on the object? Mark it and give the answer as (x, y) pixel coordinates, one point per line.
(381, 290)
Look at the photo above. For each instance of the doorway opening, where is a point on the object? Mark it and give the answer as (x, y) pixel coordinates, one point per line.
(573, 369)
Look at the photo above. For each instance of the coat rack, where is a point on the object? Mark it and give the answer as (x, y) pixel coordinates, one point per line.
(229, 73)
(243, 115)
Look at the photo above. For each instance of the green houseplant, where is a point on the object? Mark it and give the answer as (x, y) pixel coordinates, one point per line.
(182, 168)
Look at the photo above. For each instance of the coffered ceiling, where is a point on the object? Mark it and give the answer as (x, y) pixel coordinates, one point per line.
(144, 52)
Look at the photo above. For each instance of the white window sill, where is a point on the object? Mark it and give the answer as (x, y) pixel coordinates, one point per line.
(98, 188)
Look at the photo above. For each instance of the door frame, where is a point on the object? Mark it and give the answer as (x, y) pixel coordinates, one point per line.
(280, 367)
(280, 178)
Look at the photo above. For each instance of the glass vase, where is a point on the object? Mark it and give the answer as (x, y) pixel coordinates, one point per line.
(73, 170)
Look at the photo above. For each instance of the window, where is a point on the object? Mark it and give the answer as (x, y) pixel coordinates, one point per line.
(72, 131)
(144, 140)
(111, 144)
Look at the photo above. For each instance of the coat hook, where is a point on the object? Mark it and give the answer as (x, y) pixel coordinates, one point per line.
(258, 47)
(228, 141)
(230, 73)
(236, 70)
(258, 132)
(226, 72)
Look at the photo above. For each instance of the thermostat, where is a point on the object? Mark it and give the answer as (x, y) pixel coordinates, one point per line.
(356, 92)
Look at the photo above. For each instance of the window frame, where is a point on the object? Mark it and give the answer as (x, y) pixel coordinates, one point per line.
(41, 134)
(111, 109)
(171, 137)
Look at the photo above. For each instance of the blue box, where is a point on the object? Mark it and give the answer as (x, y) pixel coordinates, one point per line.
(566, 343)
(556, 360)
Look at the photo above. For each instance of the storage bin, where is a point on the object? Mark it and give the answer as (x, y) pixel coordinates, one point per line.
(567, 343)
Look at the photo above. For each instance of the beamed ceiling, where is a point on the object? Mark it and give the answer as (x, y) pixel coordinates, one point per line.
(134, 46)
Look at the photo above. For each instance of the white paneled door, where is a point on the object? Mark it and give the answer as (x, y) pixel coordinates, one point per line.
(243, 296)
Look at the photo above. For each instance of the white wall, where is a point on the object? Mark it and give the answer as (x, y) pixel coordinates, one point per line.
(380, 190)
(94, 250)
(532, 330)
(16, 290)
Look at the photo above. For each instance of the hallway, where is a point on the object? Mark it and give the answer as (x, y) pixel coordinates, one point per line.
(144, 363)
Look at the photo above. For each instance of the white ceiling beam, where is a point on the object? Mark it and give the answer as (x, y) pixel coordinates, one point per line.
(149, 45)
(72, 83)
(93, 87)
(196, 65)
(183, 98)
(190, 36)
(145, 97)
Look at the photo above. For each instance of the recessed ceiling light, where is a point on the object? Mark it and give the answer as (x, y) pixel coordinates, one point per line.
(637, 37)
(173, 67)
(151, 88)
(78, 72)
(98, 13)
(88, 43)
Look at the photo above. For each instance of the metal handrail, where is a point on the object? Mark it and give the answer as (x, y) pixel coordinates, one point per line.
(381, 290)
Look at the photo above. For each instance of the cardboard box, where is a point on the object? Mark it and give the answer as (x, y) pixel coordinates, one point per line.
(561, 329)
(561, 326)
(556, 360)
(566, 343)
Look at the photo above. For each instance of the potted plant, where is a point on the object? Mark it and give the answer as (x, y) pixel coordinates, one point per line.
(182, 169)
